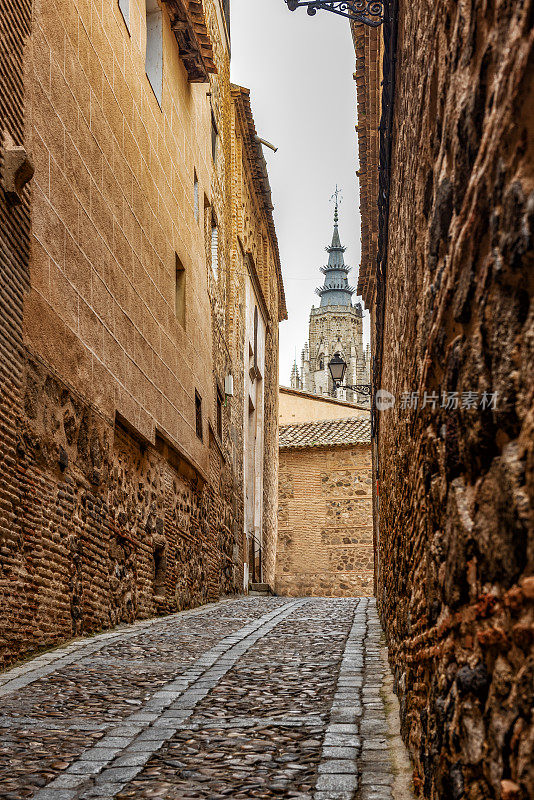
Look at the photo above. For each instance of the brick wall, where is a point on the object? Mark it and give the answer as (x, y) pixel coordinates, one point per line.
(325, 536)
(120, 510)
(111, 531)
(15, 23)
(456, 585)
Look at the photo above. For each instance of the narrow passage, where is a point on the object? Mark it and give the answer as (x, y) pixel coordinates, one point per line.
(248, 698)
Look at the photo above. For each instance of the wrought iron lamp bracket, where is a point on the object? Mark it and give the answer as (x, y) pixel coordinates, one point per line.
(360, 388)
(370, 12)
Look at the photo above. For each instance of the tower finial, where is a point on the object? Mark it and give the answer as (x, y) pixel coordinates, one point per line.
(338, 198)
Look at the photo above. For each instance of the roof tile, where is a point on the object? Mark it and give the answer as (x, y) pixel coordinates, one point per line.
(327, 433)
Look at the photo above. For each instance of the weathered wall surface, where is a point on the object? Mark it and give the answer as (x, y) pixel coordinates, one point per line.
(114, 504)
(255, 283)
(270, 479)
(325, 535)
(456, 584)
(111, 529)
(14, 275)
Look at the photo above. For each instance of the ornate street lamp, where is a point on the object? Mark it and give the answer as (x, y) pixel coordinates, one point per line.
(370, 12)
(338, 366)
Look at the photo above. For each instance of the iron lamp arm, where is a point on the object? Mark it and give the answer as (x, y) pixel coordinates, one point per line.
(369, 12)
(361, 388)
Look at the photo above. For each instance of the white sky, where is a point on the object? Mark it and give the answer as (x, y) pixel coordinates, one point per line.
(299, 70)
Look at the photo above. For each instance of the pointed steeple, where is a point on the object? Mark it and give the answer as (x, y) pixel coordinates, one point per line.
(336, 290)
(295, 377)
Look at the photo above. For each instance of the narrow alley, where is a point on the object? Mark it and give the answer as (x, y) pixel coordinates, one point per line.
(266, 400)
(247, 698)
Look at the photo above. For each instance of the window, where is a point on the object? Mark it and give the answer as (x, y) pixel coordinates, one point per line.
(124, 7)
(154, 48)
(214, 138)
(226, 12)
(180, 292)
(214, 246)
(198, 415)
(196, 199)
(256, 339)
(219, 414)
(160, 568)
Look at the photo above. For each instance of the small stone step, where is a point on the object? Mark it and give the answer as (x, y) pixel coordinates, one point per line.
(260, 589)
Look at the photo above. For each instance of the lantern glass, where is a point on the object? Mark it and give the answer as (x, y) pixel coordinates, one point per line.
(337, 367)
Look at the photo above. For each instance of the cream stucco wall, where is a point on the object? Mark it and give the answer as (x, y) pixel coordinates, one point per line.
(296, 406)
(113, 207)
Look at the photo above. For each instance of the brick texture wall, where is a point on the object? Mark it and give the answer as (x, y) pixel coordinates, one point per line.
(325, 535)
(456, 583)
(112, 508)
(15, 22)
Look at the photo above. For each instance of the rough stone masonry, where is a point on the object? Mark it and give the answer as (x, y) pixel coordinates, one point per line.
(455, 315)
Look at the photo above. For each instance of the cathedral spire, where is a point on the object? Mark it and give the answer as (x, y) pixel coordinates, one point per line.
(336, 290)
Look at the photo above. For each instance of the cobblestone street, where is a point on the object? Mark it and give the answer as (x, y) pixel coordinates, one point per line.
(248, 698)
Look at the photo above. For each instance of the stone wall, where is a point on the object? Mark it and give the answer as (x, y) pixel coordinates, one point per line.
(112, 528)
(256, 282)
(114, 504)
(456, 485)
(325, 536)
(270, 474)
(15, 22)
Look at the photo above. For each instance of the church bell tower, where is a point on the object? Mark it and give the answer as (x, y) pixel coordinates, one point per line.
(336, 326)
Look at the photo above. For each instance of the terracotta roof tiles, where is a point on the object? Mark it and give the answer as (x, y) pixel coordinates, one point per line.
(327, 433)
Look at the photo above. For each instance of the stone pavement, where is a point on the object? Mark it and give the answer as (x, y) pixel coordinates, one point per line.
(247, 698)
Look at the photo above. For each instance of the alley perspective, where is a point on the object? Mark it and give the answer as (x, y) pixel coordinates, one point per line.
(255, 544)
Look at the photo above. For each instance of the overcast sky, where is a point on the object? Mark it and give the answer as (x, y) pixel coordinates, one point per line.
(299, 70)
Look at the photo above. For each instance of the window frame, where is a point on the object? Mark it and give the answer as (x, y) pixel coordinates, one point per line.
(219, 417)
(199, 423)
(154, 40)
(214, 246)
(180, 288)
(124, 8)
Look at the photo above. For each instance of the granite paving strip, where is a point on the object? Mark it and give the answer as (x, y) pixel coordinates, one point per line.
(98, 691)
(357, 760)
(232, 702)
(376, 771)
(239, 763)
(293, 670)
(339, 767)
(104, 769)
(106, 685)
